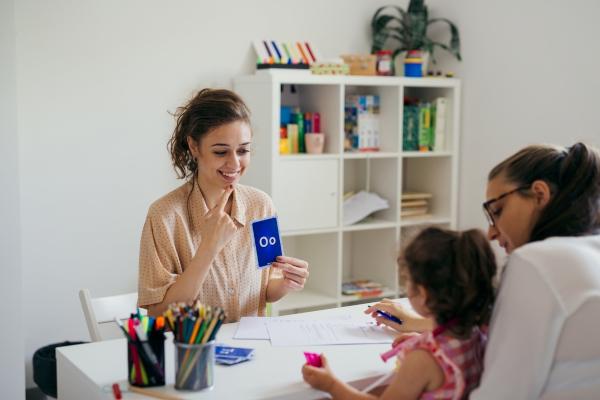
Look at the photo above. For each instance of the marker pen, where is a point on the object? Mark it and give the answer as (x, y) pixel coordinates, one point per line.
(389, 316)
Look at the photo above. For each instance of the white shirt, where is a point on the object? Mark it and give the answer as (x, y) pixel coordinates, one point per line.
(545, 330)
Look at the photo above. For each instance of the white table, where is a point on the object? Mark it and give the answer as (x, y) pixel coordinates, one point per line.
(87, 371)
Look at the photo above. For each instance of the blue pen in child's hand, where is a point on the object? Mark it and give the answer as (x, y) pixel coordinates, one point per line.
(389, 316)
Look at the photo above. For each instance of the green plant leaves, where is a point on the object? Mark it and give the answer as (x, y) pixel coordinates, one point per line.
(454, 47)
(403, 31)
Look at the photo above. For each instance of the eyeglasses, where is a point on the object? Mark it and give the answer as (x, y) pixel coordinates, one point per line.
(489, 214)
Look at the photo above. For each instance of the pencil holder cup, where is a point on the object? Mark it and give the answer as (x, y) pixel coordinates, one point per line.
(146, 362)
(194, 366)
(314, 142)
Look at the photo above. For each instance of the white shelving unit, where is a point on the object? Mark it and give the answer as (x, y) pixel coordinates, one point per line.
(308, 189)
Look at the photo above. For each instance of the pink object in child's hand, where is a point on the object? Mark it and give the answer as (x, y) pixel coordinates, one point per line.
(313, 359)
(390, 353)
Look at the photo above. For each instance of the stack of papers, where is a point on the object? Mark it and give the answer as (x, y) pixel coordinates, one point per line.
(361, 205)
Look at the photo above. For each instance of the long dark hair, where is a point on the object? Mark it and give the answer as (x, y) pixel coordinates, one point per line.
(207, 110)
(573, 175)
(458, 270)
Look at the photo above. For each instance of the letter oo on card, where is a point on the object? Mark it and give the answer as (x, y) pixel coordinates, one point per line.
(267, 241)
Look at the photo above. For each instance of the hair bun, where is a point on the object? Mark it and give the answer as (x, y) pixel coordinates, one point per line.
(577, 149)
(578, 156)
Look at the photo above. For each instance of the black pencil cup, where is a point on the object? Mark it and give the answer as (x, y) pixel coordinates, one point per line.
(146, 362)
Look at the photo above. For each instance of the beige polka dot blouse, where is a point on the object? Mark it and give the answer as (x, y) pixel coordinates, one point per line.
(168, 245)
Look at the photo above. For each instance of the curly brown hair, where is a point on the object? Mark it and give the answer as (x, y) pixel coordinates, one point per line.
(457, 269)
(207, 110)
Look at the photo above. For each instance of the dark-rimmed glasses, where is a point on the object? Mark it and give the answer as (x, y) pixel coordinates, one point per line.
(489, 214)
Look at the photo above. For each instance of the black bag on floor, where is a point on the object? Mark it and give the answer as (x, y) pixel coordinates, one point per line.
(44, 367)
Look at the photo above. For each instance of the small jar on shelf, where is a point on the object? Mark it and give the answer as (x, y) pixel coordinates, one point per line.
(384, 63)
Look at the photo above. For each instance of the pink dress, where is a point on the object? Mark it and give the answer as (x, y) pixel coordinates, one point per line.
(460, 359)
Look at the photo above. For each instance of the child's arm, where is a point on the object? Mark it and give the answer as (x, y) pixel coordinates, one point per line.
(323, 379)
(418, 373)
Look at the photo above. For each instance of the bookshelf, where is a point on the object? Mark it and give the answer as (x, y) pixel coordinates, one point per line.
(308, 189)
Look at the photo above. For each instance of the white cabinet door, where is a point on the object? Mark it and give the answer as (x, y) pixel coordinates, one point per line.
(305, 193)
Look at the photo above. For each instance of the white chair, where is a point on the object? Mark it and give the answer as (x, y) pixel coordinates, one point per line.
(577, 357)
(100, 313)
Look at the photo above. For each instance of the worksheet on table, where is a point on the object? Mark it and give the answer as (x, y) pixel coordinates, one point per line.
(323, 332)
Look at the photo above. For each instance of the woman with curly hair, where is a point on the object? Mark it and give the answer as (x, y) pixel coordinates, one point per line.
(196, 243)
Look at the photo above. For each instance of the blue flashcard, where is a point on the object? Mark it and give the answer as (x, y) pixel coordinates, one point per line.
(267, 242)
(227, 355)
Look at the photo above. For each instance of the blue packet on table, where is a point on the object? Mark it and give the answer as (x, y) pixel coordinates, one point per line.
(228, 355)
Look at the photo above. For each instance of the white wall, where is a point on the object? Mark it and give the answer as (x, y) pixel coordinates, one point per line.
(95, 81)
(12, 371)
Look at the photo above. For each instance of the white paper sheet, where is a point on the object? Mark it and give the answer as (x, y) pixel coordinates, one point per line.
(361, 205)
(253, 328)
(325, 332)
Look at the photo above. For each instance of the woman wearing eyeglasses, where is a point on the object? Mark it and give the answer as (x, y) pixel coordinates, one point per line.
(543, 208)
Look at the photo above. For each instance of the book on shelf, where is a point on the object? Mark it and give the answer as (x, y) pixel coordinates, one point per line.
(410, 126)
(439, 124)
(293, 137)
(425, 128)
(362, 288)
(414, 204)
(415, 196)
(424, 125)
(415, 212)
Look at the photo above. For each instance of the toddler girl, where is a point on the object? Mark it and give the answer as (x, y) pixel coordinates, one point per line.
(449, 278)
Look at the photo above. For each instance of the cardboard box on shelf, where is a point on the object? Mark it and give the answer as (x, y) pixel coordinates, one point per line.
(361, 64)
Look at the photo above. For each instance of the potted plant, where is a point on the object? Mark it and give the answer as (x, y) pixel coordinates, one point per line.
(406, 31)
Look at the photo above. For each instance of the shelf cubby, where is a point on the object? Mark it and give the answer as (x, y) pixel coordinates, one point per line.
(389, 121)
(370, 255)
(429, 94)
(378, 175)
(324, 99)
(429, 175)
(308, 189)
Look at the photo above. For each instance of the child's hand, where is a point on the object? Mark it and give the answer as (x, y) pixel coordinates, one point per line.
(411, 321)
(319, 378)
